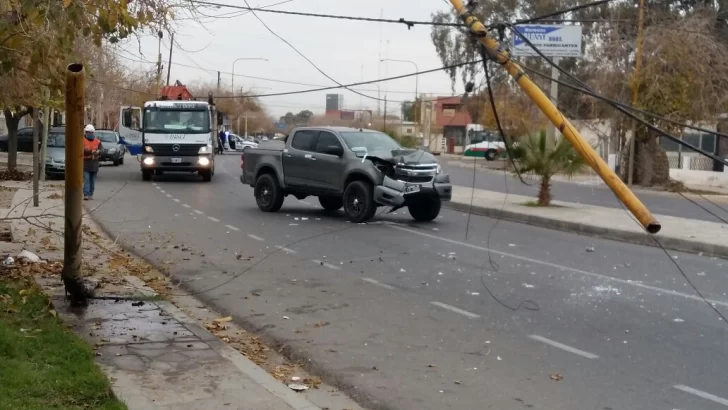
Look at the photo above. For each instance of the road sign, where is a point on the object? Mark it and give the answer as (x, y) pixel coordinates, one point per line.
(552, 40)
(281, 126)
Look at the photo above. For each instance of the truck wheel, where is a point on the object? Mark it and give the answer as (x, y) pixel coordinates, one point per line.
(206, 176)
(331, 203)
(146, 175)
(491, 154)
(121, 160)
(116, 163)
(268, 193)
(359, 201)
(424, 209)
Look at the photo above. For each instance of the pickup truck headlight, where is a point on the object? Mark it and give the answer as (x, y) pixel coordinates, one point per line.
(439, 169)
(147, 148)
(205, 150)
(112, 150)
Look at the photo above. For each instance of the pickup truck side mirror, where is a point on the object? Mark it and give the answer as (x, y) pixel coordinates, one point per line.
(335, 150)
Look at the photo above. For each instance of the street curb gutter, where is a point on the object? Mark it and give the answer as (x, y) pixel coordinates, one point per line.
(640, 238)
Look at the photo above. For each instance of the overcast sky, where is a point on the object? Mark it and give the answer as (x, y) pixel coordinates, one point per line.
(348, 51)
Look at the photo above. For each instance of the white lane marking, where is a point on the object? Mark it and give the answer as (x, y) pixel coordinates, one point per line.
(284, 249)
(175, 199)
(154, 183)
(702, 394)
(567, 268)
(162, 191)
(325, 264)
(564, 347)
(378, 283)
(168, 195)
(213, 219)
(257, 238)
(198, 212)
(456, 310)
(186, 206)
(232, 228)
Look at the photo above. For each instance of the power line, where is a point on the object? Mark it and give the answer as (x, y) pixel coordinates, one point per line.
(408, 23)
(563, 11)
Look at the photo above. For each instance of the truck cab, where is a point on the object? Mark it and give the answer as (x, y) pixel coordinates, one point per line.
(175, 136)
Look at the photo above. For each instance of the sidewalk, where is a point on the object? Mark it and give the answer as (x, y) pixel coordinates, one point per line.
(156, 355)
(680, 234)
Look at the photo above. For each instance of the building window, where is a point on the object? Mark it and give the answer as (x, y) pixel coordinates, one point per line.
(409, 131)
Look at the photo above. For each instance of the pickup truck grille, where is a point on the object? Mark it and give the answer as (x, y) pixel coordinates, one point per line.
(418, 173)
(167, 150)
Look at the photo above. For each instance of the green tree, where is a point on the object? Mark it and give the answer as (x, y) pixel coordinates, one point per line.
(537, 156)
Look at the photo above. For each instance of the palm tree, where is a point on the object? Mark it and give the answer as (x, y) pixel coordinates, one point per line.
(541, 157)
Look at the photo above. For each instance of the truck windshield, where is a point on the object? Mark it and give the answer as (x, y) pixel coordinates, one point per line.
(372, 141)
(176, 121)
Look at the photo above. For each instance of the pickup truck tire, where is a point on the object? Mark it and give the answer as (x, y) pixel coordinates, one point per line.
(491, 154)
(424, 209)
(146, 175)
(268, 193)
(359, 201)
(331, 203)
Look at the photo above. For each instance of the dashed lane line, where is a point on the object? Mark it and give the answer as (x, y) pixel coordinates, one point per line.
(186, 206)
(325, 264)
(175, 199)
(702, 394)
(197, 211)
(378, 283)
(564, 347)
(213, 219)
(257, 238)
(456, 310)
(284, 249)
(232, 228)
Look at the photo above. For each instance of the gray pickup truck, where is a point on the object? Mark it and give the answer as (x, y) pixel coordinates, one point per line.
(355, 168)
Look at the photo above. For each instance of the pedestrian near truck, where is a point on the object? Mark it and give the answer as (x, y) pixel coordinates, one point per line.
(91, 152)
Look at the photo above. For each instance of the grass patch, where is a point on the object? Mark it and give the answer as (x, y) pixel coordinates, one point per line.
(42, 364)
(534, 204)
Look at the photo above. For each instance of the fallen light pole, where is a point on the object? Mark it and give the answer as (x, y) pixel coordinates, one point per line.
(72, 234)
(502, 57)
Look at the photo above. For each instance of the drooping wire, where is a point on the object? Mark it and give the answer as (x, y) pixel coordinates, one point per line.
(653, 237)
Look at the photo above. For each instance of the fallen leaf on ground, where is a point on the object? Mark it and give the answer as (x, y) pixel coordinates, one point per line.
(224, 319)
(556, 377)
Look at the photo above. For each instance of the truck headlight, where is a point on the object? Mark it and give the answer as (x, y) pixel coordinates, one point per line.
(204, 161)
(148, 161)
(205, 150)
(147, 148)
(112, 150)
(439, 169)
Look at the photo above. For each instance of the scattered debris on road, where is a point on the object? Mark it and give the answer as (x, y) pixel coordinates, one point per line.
(556, 377)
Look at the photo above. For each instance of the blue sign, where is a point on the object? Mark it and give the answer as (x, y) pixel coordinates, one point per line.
(552, 40)
(281, 126)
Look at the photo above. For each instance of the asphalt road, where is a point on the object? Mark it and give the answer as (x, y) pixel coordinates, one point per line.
(658, 202)
(401, 314)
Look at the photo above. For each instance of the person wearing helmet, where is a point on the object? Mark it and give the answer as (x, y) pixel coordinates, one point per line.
(91, 149)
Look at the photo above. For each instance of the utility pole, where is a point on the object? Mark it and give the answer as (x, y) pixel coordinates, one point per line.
(44, 136)
(385, 114)
(169, 63)
(75, 104)
(502, 57)
(159, 60)
(218, 82)
(551, 135)
(36, 160)
(635, 88)
(99, 91)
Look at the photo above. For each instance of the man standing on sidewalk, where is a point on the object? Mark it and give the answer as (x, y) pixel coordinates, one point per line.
(91, 149)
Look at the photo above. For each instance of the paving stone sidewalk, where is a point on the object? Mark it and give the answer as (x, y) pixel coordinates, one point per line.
(681, 234)
(156, 355)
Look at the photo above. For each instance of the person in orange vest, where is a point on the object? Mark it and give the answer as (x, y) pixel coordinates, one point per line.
(91, 149)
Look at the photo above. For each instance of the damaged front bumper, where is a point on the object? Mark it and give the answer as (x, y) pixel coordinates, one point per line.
(395, 193)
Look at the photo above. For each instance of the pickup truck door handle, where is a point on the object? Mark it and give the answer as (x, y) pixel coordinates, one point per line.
(309, 156)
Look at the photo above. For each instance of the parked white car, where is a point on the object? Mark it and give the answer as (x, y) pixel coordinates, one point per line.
(241, 144)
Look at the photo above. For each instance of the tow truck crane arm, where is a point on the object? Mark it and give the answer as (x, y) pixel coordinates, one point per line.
(502, 57)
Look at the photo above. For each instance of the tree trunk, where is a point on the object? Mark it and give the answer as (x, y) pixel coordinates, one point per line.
(11, 121)
(544, 191)
(651, 166)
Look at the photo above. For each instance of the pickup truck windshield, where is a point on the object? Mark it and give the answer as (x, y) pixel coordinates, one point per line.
(171, 121)
(372, 141)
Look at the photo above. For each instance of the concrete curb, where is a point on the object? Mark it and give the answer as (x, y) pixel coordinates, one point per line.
(640, 238)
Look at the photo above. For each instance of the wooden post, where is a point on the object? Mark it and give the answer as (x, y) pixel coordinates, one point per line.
(75, 103)
(36, 160)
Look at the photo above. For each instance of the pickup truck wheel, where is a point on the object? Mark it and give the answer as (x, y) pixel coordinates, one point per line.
(491, 154)
(268, 194)
(359, 201)
(331, 203)
(121, 160)
(424, 209)
(206, 176)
